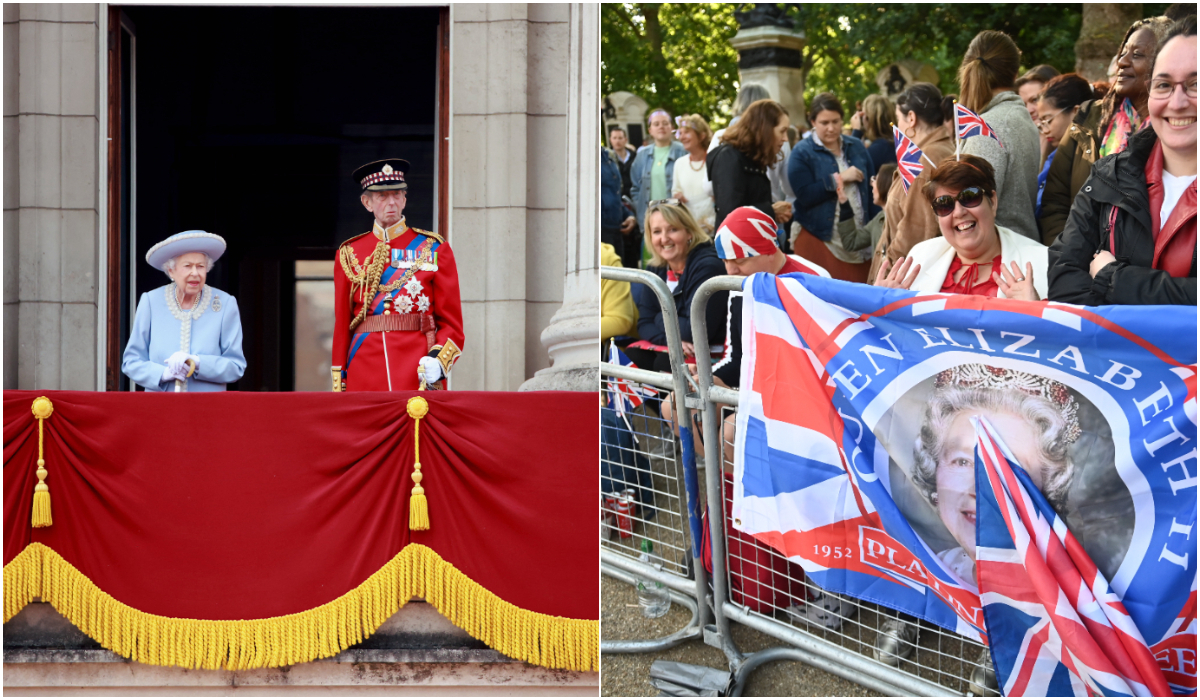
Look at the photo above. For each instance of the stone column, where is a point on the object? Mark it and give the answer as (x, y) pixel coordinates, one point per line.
(573, 336)
(488, 128)
(51, 139)
(770, 55)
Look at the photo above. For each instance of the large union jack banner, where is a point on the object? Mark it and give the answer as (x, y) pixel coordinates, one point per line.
(859, 443)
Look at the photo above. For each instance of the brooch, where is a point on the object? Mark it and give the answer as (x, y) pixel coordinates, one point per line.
(216, 303)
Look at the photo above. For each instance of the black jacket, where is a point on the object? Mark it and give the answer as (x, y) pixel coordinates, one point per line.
(737, 181)
(702, 264)
(1117, 181)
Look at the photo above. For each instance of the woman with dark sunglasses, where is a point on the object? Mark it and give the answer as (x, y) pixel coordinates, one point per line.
(974, 254)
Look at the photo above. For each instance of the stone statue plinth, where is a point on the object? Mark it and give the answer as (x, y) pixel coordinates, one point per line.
(770, 56)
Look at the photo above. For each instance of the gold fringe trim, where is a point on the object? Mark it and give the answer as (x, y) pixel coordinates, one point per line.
(415, 572)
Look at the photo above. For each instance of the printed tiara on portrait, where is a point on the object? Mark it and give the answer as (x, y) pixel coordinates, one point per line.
(978, 376)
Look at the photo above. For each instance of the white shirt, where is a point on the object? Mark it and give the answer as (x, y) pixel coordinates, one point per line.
(697, 188)
(1173, 189)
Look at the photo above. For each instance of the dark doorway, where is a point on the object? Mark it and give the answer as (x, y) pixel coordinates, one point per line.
(249, 121)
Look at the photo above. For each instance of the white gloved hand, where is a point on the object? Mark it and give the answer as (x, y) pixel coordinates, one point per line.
(177, 363)
(170, 374)
(433, 369)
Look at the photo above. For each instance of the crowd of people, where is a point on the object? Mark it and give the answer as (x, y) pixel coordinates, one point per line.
(1085, 195)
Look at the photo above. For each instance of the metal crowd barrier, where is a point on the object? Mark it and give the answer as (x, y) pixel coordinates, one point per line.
(674, 526)
(942, 662)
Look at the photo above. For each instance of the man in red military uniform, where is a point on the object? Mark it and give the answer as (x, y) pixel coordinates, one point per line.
(396, 294)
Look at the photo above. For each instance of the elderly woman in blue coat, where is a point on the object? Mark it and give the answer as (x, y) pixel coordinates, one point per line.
(828, 172)
(187, 336)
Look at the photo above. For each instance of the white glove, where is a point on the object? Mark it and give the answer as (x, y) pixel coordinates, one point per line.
(169, 374)
(433, 369)
(177, 363)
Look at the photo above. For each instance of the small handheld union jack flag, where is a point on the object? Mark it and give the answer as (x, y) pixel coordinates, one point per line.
(968, 124)
(908, 159)
(625, 395)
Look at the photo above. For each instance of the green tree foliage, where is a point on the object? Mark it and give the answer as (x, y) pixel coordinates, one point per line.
(678, 55)
(672, 55)
(857, 41)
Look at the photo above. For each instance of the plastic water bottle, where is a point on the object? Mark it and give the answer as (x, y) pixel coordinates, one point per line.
(653, 597)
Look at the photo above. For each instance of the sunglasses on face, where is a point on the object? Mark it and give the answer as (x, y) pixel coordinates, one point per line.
(969, 198)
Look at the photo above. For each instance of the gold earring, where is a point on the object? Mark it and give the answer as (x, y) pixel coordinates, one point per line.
(913, 129)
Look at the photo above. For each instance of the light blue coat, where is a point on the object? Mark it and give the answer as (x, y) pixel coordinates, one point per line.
(215, 337)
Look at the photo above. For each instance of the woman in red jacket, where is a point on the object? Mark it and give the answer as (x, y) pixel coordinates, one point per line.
(1131, 236)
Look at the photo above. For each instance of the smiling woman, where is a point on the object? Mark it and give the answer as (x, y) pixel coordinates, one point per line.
(684, 257)
(1036, 418)
(1154, 175)
(974, 255)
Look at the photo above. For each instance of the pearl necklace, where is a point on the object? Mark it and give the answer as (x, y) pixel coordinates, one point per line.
(186, 317)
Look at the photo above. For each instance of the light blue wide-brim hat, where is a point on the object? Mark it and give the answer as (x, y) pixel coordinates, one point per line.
(183, 243)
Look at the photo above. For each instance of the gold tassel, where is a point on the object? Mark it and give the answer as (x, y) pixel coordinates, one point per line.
(42, 408)
(415, 572)
(418, 507)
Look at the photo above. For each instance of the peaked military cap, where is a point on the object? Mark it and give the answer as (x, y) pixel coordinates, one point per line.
(386, 174)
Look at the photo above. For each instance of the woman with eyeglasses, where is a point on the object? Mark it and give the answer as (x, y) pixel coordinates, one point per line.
(1102, 126)
(1057, 105)
(682, 254)
(974, 255)
(1131, 236)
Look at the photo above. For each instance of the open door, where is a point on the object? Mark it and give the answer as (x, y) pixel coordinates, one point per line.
(256, 142)
(122, 200)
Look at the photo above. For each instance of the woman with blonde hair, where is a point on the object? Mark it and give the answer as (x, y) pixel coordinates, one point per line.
(691, 184)
(873, 124)
(986, 77)
(682, 254)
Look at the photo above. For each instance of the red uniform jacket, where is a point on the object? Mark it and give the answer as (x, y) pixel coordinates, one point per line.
(410, 281)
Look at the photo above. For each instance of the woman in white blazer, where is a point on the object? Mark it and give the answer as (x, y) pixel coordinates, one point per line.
(973, 255)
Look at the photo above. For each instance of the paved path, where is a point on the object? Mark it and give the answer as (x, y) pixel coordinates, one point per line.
(629, 674)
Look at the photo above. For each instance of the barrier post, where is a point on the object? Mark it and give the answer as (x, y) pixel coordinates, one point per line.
(621, 566)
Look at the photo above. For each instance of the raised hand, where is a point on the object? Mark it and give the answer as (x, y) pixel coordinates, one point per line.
(1014, 283)
(898, 277)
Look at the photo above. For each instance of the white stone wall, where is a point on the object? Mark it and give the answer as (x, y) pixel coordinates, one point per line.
(508, 83)
(51, 217)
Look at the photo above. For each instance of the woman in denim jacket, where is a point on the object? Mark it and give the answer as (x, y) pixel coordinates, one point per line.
(818, 164)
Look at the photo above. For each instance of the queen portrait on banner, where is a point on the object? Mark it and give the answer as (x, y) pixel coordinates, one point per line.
(187, 335)
(1035, 415)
